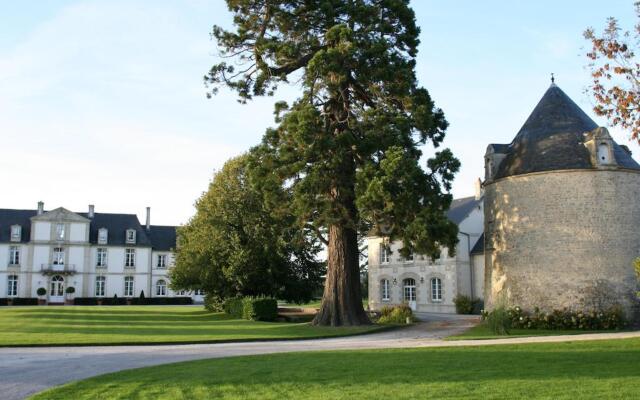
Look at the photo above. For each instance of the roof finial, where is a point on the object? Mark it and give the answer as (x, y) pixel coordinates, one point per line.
(553, 79)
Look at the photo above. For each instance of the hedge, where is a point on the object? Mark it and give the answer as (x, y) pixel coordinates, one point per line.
(252, 308)
(20, 301)
(85, 301)
(605, 319)
(120, 301)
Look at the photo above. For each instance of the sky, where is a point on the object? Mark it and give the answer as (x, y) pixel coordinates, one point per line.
(102, 102)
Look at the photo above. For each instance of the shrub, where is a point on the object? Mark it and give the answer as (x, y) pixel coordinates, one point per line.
(499, 320)
(142, 294)
(396, 315)
(465, 305)
(25, 301)
(114, 301)
(213, 303)
(85, 301)
(260, 308)
(41, 291)
(252, 308)
(70, 290)
(3, 301)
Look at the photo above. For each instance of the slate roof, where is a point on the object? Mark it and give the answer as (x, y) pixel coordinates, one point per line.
(163, 238)
(478, 248)
(116, 224)
(460, 208)
(553, 138)
(10, 217)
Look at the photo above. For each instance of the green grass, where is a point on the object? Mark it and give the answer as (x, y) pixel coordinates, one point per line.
(38, 326)
(578, 370)
(482, 331)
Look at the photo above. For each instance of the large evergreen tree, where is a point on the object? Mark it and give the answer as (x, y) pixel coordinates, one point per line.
(349, 147)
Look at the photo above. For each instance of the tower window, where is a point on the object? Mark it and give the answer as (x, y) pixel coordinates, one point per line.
(603, 154)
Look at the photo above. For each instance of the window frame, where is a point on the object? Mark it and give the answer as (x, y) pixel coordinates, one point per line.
(16, 233)
(385, 290)
(385, 254)
(130, 236)
(102, 257)
(162, 264)
(161, 288)
(14, 255)
(12, 285)
(436, 289)
(103, 236)
(129, 258)
(101, 283)
(129, 286)
(60, 231)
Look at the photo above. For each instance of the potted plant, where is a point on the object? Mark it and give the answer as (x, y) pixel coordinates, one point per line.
(41, 292)
(69, 298)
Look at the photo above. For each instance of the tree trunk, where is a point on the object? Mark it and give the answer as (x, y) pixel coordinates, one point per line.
(342, 298)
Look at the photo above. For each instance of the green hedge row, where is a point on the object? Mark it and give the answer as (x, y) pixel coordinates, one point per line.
(121, 301)
(252, 308)
(19, 301)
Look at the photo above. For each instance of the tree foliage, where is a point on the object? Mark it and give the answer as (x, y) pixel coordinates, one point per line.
(349, 147)
(616, 74)
(237, 246)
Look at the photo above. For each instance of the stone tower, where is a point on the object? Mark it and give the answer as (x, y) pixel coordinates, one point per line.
(562, 213)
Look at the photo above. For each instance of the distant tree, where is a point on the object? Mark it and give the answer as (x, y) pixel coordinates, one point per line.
(235, 245)
(615, 69)
(349, 147)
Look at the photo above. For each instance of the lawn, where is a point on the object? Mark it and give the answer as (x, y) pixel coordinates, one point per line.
(22, 326)
(578, 370)
(482, 331)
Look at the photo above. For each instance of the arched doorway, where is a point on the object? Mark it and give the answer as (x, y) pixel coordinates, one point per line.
(56, 289)
(409, 292)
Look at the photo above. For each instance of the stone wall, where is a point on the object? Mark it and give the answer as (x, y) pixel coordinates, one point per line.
(563, 239)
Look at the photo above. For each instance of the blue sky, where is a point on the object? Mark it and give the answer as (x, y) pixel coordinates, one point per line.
(102, 102)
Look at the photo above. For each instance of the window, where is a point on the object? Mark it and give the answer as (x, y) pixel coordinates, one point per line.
(16, 233)
(198, 292)
(161, 288)
(409, 286)
(12, 285)
(162, 261)
(436, 289)
(58, 256)
(103, 235)
(14, 255)
(59, 231)
(101, 259)
(384, 254)
(131, 236)
(409, 258)
(181, 293)
(128, 286)
(384, 288)
(603, 153)
(100, 283)
(130, 258)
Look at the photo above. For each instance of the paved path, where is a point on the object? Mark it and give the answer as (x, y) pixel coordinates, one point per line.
(24, 371)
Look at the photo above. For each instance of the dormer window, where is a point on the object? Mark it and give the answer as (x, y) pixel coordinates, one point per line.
(16, 233)
(603, 154)
(103, 235)
(59, 231)
(131, 236)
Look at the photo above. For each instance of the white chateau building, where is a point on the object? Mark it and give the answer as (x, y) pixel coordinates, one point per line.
(98, 254)
(426, 285)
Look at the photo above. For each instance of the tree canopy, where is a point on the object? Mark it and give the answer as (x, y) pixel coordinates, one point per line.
(237, 246)
(349, 148)
(615, 70)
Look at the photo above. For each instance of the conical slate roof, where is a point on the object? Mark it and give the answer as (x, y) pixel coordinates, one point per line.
(553, 138)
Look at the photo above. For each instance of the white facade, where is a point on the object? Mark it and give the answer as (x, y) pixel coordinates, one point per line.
(426, 285)
(60, 252)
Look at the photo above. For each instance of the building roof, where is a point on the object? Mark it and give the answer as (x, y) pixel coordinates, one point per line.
(460, 208)
(163, 238)
(159, 237)
(9, 217)
(553, 138)
(478, 248)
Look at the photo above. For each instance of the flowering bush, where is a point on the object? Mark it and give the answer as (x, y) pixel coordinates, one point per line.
(612, 318)
(395, 315)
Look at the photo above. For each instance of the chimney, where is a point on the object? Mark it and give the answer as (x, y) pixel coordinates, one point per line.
(91, 211)
(478, 188)
(148, 218)
(40, 207)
